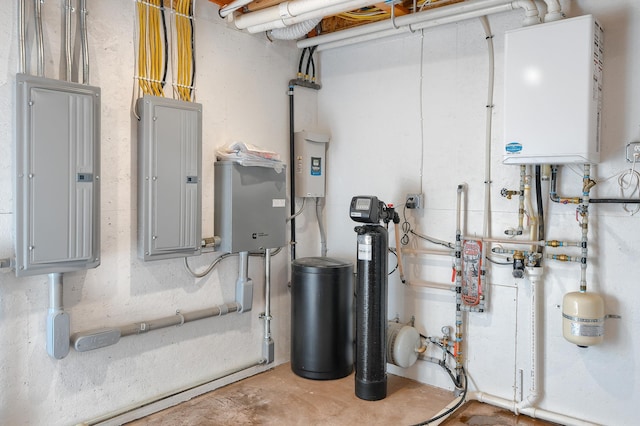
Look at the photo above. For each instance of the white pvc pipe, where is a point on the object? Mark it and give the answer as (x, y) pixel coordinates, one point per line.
(554, 11)
(536, 413)
(535, 277)
(414, 27)
(428, 251)
(418, 20)
(232, 7)
(283, 14)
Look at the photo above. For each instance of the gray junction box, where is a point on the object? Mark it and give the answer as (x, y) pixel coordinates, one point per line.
(249, 207)
(57, 190)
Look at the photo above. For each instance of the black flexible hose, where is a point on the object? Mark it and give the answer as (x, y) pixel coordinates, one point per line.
(311, 50)
(301, 60)
(540, 206)
(166, 45)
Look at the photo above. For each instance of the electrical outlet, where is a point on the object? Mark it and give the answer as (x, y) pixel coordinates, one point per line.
(414, 201)
(633, 152)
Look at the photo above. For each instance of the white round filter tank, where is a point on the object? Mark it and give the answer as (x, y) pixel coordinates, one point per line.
(403, 344)
(583, 318)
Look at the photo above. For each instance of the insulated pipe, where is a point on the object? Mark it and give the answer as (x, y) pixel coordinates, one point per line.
(22, 49)
(536, 413)
(84, 41)
(39, 36)
(57, 320)
(442, 15)
(67, 38)
(554, 11)
(276, 15)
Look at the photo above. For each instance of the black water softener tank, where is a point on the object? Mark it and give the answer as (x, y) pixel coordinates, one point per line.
(322, 318)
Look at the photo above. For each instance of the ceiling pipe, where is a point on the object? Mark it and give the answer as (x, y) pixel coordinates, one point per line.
(420, 20)
(228, 9)
(408, 29)
(293, 12)
(554, 11)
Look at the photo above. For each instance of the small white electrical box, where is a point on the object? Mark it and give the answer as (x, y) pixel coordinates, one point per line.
(553, 92)
(310, 164)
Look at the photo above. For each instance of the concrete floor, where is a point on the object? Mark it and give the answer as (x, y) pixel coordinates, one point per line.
(279, 397)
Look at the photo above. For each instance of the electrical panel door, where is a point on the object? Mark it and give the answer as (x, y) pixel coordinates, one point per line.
(57, 176)
(169, 184)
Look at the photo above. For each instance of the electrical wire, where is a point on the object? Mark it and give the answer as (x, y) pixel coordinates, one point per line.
(293, 216)
(392, 251)
(433, 240)
(219, 259)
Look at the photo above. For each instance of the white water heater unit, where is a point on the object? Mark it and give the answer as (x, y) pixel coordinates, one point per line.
(553, 92)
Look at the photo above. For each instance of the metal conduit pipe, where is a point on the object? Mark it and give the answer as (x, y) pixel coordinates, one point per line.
(57, 320)
(67, 38)
(84, 41)
(39, 36)
(178, 319)
(420, 20)
(268, 352)
(22, 49)
(98, 338)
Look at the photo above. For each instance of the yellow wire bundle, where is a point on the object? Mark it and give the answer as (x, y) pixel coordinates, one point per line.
(151, 51)
(184, 15)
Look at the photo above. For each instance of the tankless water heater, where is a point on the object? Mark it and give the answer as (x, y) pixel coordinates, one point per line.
(553, 92)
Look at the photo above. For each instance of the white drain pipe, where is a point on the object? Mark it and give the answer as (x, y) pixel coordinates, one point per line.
(420, 20)
(293, 12)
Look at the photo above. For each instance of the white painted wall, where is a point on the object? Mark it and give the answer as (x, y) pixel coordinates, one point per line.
(371, 103)
(242, 82)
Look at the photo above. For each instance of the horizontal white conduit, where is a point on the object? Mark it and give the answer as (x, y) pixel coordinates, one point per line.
(420, 20)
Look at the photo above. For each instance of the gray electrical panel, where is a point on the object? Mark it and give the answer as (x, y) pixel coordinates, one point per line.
(57, 196)
(169, 178)
(249, 207)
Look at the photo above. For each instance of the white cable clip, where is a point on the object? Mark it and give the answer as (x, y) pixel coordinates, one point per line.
(181, 318)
